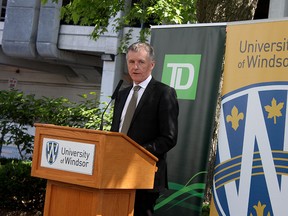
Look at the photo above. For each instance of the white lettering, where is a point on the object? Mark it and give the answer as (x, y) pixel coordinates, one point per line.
(177, 72)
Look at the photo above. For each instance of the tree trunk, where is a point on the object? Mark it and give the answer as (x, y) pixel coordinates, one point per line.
(225, 10)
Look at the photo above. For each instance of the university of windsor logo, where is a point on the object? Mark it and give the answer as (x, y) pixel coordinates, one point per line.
(181, 72)
(251, 172)
(52, 149)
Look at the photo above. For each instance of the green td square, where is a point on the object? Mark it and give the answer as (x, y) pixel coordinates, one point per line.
(181, 72)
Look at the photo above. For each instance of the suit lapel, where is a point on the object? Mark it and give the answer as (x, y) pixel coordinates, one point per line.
(146, 94)
(124, 97)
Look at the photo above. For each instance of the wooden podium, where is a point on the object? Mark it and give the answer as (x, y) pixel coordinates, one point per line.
(90, 172)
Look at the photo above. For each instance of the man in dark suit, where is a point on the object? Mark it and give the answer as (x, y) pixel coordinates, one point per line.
(154, 124)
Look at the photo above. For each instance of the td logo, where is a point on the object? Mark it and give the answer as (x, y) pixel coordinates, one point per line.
(181, 72)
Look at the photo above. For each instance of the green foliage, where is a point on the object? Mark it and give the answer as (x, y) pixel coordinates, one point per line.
(91, 12)
(163, 12)
(205, 209)
(19, 112)
(100, 14)
(20, 191)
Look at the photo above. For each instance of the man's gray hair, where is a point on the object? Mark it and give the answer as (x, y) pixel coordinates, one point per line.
(135, 47)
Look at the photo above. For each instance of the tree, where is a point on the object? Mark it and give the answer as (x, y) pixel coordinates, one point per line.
(209, 11)
(91, 13)
(143, 13)
(140, 13)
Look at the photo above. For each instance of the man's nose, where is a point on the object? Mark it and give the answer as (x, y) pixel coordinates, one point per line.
(136, 65)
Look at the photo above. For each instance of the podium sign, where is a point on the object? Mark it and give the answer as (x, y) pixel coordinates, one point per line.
(90, 172)
(67, 155)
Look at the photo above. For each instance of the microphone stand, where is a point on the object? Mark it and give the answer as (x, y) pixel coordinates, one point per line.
(102, 116)
(114, 96)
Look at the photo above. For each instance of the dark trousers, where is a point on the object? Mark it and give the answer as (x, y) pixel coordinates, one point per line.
(144, 202)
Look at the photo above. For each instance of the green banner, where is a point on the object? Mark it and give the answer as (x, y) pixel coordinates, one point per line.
(189, 58)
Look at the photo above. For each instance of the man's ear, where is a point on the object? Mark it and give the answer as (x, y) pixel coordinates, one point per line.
(152, 65)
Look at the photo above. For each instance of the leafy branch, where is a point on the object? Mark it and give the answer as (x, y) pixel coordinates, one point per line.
(102, 13)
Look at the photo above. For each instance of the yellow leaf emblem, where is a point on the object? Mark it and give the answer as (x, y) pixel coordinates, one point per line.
(260, 209)
(274, 110)
(235, 117)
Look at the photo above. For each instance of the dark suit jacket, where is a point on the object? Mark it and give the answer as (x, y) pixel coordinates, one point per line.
(154, 125)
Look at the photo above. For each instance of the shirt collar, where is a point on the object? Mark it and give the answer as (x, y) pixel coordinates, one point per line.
(144, 83)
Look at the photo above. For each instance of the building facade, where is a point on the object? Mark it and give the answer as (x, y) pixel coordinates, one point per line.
(40, 56)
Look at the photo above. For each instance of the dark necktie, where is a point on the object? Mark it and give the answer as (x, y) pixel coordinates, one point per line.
(130, 110)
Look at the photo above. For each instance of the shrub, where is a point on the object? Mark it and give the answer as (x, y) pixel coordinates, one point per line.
(18, 189)
(19, 112)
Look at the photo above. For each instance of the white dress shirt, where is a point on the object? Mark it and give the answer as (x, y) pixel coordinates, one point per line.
(143, 86)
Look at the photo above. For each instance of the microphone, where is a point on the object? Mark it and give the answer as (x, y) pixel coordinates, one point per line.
(114, 96)
(115, 93)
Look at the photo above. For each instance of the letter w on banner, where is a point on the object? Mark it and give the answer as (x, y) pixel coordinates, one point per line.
(251, 170)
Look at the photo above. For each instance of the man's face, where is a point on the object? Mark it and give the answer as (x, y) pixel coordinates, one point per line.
(139, 64)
